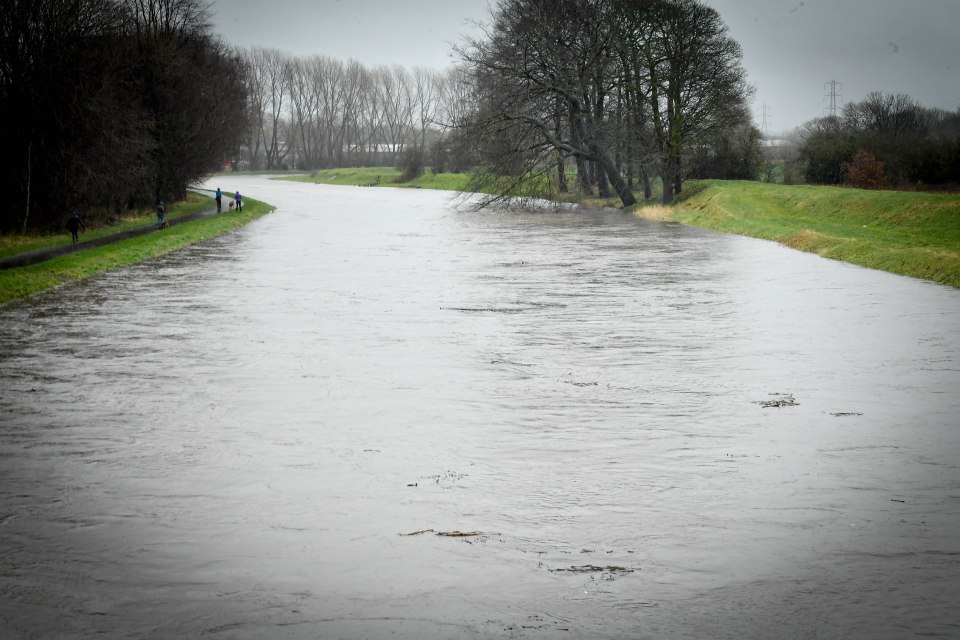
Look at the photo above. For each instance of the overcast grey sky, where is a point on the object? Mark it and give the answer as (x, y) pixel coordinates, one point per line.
(791, 47)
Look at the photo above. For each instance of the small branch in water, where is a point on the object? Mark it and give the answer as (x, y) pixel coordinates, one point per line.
(781, 400)
(580, 384)
(447, 534)
(459, 534)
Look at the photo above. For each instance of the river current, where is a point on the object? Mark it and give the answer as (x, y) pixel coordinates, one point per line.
(627, 429)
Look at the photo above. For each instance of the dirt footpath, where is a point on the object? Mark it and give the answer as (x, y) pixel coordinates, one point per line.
(42, 255)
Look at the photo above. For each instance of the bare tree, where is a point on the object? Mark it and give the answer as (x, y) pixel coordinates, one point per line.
(353, 79)
(539, 61)
(319, 111)
(613, 85)
(697, 83)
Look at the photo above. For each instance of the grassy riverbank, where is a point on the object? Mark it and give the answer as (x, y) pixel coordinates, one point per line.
(13, 244)
(913, 234)
(25, 281)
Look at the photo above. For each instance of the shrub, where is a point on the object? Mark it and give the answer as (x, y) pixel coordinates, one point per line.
(864, 171)
(410, 163)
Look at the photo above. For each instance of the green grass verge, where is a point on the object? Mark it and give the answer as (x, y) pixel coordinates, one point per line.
(913, 234)
(25, 281)
(384, 177)
(13, 244)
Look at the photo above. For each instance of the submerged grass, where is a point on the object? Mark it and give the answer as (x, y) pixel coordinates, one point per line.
(913, 234)
(384, 177)
(25, 281)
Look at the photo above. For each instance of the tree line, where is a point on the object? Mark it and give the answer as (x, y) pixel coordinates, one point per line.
(119, 103)
(620, 91)
(316, 112)
(110, 104)
(883, 140)
(615, 93)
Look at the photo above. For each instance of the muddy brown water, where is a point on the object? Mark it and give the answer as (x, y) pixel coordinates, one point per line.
(229, 442)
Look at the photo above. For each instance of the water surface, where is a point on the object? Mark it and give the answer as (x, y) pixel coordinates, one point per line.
(230, 441)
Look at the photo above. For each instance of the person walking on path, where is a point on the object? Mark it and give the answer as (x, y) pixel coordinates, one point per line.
(161, 213)
(236, 197)
(219, 198)
(75, 224)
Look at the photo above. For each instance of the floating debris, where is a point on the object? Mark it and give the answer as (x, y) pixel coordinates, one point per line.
(488, 309)
(568, 379)
(592, 568)
(513, 363)
(446, 476)
(445, 534)
(580, 384)
(520, 306)
(779, 400)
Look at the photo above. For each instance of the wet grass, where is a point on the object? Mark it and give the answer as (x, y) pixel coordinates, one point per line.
(384, 177)
(13, 244)
(913, 234)
(25, 281)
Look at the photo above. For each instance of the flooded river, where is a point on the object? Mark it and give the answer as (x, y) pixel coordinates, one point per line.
(232, 441)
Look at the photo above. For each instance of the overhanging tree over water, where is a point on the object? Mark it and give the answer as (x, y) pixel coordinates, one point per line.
(610, 86)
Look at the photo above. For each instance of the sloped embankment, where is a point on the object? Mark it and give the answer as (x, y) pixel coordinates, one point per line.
(913, 234)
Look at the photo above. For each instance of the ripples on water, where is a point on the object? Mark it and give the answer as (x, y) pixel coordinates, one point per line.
(228, 441)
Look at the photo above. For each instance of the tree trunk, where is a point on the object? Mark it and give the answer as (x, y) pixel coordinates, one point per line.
(609, 168)
(561, 165)
(26, 212)
(603, 186)
(667, 176)
(583, 178)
